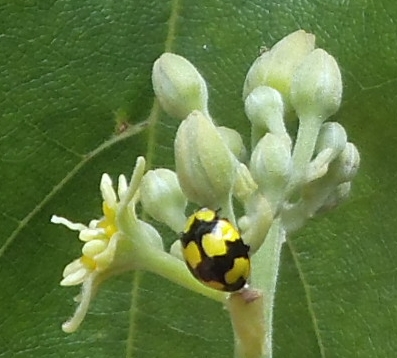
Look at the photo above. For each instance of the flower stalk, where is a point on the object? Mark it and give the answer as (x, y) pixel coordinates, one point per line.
(252, 321)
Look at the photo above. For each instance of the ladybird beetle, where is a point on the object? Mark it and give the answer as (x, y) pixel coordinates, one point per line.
(214, 251)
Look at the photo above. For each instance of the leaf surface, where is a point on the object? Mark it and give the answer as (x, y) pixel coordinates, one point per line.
(66, 68)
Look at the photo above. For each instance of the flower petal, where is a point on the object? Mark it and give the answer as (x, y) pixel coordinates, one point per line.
(76, 277)
(87, 292)
(72, 267)
(122, 186)
(94, 247)
(69, 224)
(92, 234)
(93, 224)
(108, 193)
(105, 258)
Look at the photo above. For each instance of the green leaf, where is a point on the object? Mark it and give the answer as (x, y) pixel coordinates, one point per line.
(66, 68)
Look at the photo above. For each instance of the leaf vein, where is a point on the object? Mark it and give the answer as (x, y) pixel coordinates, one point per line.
(108, 143)
(306, 288)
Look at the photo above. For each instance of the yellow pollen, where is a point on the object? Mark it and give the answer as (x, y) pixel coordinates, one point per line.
(109, 213)
(108, 223)
(89, 262)
(110, 230)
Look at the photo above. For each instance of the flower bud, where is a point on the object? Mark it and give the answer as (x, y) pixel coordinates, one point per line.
(244, 185)
(331, 141)
(162, 186)
(345, 166)
(318, 167)
(275, 68)
(316, 88)
(332, 135)
(337, 197)
(148, 236)
(178, 86)
(255, 224)
(271, 164)
(176, 250)
(204, 164)
(264, 108)
(233, 141)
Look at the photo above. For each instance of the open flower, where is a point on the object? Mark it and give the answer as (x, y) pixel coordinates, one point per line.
(102, 241)
(113, 244)
(100, 237)
(119, 242)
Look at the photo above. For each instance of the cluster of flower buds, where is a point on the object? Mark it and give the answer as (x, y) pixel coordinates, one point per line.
(311, 172)
(286, 176)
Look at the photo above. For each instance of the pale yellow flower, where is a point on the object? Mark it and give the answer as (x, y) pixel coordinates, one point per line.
(101, 240)
(100, 236)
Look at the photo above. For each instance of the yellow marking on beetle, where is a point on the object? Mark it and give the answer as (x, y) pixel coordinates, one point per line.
(213, 245)
(228, 231)
(189, 223)
(215, 285)
(192, 254)
(241, 268)
(205, 215)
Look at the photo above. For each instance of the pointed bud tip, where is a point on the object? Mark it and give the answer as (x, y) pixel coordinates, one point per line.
(275, 68)
(178, 86)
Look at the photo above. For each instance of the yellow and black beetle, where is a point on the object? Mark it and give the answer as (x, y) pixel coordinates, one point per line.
(214, 251)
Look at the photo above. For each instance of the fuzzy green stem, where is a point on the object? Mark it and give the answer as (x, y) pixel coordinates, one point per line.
(265, 265)
(251, 311)
(257, 132)
(246, 312)
(227, 210)
(175, 270)
(303, 151)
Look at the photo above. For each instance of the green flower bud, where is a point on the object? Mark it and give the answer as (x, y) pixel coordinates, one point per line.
(162, 186)
(337, 197)
(233, 141)
(148, 236)
(265, 109)
(176, 250)
(178, 86)
(328, 191)
(344, 167)
(255, 224)
(275, 68)
(270, 166)
(331, 141)
(244, 185)
(316, 88)
(204, 164)
(332, 135)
